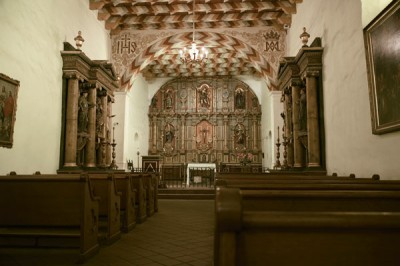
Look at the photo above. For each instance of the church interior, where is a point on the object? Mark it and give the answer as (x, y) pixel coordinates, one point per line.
(284, 111)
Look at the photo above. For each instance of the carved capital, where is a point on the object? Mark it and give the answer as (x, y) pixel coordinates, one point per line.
(311, 73)
(101, 93)
(87, 85)
(296, 82)
(72, 75)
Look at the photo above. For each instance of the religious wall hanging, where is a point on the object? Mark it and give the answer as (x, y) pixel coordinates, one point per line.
(382, 43)
(8, 107)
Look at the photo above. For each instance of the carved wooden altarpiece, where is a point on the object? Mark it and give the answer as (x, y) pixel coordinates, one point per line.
(88, 94)
(300, 80)
(204, 120)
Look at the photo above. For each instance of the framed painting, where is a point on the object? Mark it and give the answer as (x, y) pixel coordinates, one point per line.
(8, 107)
(382, 44)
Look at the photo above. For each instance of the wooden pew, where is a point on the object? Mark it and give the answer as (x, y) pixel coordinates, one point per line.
(104, 186)
(148, 183)
(137, 181)
(309, 184)
(258, 236)
(156, 184)
(51, 211)
(286, 176)
(128, 201)
(321, 200)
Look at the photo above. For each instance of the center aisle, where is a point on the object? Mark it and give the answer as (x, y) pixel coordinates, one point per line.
(181, 233)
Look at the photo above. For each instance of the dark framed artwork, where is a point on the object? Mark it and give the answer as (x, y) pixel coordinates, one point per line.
(8, 107)
(382, 44)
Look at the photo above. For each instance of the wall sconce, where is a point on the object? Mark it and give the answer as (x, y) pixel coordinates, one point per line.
(79, 40)
(304, 37)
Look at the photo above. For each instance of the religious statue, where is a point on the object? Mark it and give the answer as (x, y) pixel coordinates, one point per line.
(168, 100)
(83, 112)
(169, 135)
(303, 110)
(154, 101)
(240, 135)
(204, 97)
(99, 116)
(240, 99)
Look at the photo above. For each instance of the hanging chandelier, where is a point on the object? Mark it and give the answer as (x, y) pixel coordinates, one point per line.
(193, 54)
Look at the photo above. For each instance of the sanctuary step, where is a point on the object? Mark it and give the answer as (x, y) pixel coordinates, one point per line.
(186, 193)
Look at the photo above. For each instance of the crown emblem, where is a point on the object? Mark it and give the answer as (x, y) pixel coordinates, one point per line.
(272, 35)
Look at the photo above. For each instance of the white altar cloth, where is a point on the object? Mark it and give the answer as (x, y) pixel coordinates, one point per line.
(198, 165)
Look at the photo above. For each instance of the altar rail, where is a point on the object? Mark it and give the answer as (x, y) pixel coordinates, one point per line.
(184, 176)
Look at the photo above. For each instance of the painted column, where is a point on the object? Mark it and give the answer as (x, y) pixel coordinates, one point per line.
(109, 129)
(254, 126)
(154, 134)
(183, 134)
(288, 127)
(225, 133)
(71, 127)
(90, 160)
(104, 142)
(297, 147)
(312, 119)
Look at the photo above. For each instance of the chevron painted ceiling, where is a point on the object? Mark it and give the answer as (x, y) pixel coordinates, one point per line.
(218, 15)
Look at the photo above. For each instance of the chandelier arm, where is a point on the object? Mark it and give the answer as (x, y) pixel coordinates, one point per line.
(193, 17)
(193, 55)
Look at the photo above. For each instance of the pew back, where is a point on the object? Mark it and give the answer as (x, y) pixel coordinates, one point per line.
(49, 211)
(128, 201)
(245, 235)
(137, 182)
(104, 187)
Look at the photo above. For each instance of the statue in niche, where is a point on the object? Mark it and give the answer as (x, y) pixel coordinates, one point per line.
(168, 100)
(255, 102)
(80, 151)
(204, 97)
(240, 135)
(240, 99)
(99, 116)
(169, 134)
(83, 112)
(154, 101)
(303, 110)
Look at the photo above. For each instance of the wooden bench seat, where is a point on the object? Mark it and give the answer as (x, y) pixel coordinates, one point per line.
(306, 234)
(49, 211)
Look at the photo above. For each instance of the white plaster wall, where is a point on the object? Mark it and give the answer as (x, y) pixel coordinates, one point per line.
(137, 121)
(155, 85)
(271, 119)
(256, 85)
(32, 36)
(350, 145)
(120, 120)
(371, 8)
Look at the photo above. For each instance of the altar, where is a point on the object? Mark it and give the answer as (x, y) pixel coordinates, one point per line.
(198, 166)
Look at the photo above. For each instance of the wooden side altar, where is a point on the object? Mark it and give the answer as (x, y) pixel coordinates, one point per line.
(88, 94)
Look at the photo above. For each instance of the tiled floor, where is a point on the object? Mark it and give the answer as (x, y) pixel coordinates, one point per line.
(181, 233)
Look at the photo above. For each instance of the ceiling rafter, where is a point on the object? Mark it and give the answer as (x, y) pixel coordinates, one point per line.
(226, 57)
